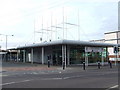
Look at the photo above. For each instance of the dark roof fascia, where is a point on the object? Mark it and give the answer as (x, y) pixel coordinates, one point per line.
(112, 32)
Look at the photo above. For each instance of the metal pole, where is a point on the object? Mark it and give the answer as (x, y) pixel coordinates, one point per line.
(56, 29)
(63, 22)
(34, 31)
(63, 57)
(17, 57)
(24, 56)
(116, 59)
(107, 54)
(47, 37)
(32, 56)
(42, 30)
(6, 49)
(117, 38)
(42, 55)
(6, 38)
(117, 50)
(68, 55)
(6, 42)
(78, 26)
(66, 27)
(51, 25)
(116, 54)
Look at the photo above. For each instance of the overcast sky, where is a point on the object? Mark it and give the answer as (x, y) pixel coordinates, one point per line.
(22, 17)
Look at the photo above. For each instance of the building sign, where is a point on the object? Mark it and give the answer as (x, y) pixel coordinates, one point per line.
(94, 49)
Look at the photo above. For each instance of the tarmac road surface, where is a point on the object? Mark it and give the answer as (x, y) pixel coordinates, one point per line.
(73, 77)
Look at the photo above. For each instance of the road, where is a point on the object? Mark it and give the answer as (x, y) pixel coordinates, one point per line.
(90, 78)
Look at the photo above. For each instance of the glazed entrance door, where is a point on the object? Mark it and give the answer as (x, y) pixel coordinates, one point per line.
(57, 58)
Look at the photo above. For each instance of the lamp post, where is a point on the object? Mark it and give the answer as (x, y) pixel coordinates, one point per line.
(117, 54)
(6, 38)
(6, 44)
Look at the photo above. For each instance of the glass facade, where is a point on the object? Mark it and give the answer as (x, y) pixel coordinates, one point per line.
(57, 55)
(94, 57)
(77, 54)
(105, 55)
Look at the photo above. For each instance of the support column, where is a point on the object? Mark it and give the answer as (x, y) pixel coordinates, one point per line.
(86, 58)
(18, 56)
(10, 57)
(102, 59)
(107, 54)
(65, 55)
(68, 56)
(24, 56)
(62, 54)
(116, 59)
(1, 58)
(32, 55)
(42, 55)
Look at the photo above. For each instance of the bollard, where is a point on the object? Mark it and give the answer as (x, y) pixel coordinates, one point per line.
(63, 65)
(98, 65)
(48, 58)
(83, 65)
(110, 65)
(48, 63)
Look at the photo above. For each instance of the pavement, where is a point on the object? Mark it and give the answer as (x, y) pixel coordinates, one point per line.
(27, 68)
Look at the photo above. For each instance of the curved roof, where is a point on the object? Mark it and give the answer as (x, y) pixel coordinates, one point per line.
(68, 42)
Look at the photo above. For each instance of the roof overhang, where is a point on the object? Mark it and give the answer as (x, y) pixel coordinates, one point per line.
(68, 42)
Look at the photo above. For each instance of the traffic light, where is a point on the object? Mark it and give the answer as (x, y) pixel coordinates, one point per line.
(116, 49)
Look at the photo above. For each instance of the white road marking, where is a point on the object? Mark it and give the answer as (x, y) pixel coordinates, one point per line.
(116, 86)
(15, 82)
(51, 79)
(42, 79)
(3, 75)
(74, 77)
(66, 77)
(30, 80)
(26, 80)
(7, 83)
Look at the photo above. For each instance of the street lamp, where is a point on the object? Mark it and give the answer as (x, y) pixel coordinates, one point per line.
(6, 38)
